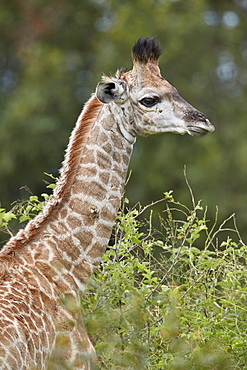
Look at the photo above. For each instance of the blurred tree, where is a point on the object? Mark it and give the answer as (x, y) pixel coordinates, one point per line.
(53, 53)
(45, 75)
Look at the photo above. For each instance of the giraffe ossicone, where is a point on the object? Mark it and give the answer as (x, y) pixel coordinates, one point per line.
(48, 263)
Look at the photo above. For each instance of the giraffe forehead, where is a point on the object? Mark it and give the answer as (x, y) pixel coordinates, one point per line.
(146, 75)
(160, 88)
(161, 85)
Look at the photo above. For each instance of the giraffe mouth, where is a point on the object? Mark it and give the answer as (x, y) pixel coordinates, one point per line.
(197, 131)
(202, 129)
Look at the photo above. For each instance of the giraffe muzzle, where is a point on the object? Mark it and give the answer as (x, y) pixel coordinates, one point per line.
(200, 128)
(197, 123)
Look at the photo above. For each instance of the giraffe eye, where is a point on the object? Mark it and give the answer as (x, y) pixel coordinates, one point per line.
(149, 101)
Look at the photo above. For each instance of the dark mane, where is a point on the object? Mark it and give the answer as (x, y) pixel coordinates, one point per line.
(146, 49)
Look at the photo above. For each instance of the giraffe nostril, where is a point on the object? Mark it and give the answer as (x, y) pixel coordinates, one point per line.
(200, 116)
(195, 115)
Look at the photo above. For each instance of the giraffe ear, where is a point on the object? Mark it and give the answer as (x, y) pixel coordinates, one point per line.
(107, 91)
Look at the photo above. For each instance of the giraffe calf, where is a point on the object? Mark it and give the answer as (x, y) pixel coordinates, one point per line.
(46, 266)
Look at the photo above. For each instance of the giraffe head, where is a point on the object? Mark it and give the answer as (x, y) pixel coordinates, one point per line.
(151, 104)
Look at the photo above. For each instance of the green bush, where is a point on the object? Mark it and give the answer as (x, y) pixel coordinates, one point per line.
(168, 299)
(176, 301)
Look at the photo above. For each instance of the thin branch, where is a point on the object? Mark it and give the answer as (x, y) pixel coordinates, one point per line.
(149, 205)
(189, 187)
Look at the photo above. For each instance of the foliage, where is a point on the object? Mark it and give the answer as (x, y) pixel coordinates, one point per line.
(172, 298)
(175, 300)
(24, 210)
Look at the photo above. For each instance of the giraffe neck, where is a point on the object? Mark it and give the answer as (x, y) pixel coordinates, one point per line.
(84, 222)
(73, 231)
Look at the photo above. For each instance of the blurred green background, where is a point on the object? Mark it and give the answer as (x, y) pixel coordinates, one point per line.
(53, 53)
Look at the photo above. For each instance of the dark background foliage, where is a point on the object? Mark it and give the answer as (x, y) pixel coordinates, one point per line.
(52, 54)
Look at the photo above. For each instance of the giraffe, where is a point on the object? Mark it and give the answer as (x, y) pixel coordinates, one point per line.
(45, 268)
